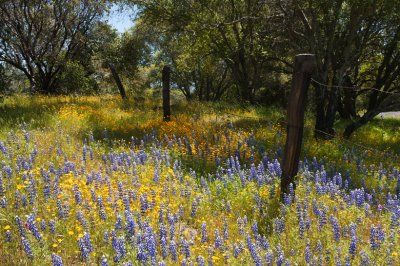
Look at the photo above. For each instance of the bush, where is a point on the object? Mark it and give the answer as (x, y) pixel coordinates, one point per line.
(75, 79)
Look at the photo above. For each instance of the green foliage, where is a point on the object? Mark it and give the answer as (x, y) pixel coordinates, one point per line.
(75, 79)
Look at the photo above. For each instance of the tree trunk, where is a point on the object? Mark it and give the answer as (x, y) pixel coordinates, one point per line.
(331, 112)
(368, 116)
(320, 127)
(117, 81)
(208, 88)
(349, 100)
(166, 79)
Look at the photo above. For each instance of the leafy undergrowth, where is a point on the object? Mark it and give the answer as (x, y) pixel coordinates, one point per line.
(202, 189)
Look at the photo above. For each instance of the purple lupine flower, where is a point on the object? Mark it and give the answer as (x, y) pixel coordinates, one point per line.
(119, 248)
(194, 209)
(163, 244)
(185, 249)
(377, 236)
(141, 253)
(279, 260)
(353, 240)
(319, 247)
(307, 254)
(3, 202)
(365, 260)
(236, 251)
(27, 247)
(143, 203)
(130, 226)
(78, 196)
(21, 228)
(279, 225)
(118, 223)
(347, 261)
(218, 240)
(225, 231)
(264, 242)
(56, 260)
(33, 228)
(200, 261)
(254, 229)
(102, 214)
(172, 250)
(150, 242)
(8, 236)
(7, 171)
(252, 249)
(269, 258)
(83, 249)
(17, 200)
(301, 228)
(335, 228)
(241, 225)
(88, 243)
(104, 261)
(204, 232)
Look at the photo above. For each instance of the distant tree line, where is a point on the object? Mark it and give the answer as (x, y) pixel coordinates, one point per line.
(239, 50)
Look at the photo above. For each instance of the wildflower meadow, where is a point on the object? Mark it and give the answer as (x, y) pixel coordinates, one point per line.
(95, 181)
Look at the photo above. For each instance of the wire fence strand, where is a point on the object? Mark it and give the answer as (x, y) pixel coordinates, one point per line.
(338, 137)
(354, 88)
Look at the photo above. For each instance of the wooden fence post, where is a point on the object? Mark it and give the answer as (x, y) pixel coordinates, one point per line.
(166, 75)
(303, 69)
(117, 80)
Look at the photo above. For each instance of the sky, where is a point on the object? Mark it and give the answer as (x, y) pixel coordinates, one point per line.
(121, 20)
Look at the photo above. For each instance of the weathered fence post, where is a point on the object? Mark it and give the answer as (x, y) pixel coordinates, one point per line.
(117, 80)
(303, 69)
(166, 75)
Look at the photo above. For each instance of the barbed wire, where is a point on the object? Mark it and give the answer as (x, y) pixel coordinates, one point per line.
(333, 136)
(354, 88)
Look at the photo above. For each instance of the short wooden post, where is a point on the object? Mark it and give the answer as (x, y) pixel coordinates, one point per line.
(303, 69)
(166, 76)
(117, 80)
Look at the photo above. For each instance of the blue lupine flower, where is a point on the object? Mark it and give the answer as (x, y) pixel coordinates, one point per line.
(83, 249)
(218, 240)
(56, 260)
(301, 228)
(252, 249)
(173, 251)
(241, 226)
(130, 226)
(21, 228)
(27, 247)
(377, 236)
(307, 254)
(118, 223)
(225, 231)
(194, 209)
(204, 232)
(335, 228)
(33, 228)
(200, 261)
(88, 243)
(269, 258)
(8, 236)
(353, 240)
(104, 261)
